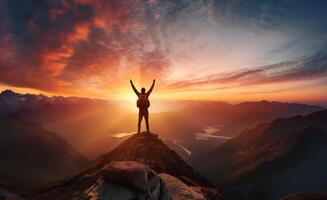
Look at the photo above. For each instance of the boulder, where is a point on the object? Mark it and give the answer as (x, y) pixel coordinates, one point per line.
(131, 173)
(127, 180)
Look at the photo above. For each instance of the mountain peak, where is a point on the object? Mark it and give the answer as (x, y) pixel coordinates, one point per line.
(8, 93)
(141, 151)
(148, 149)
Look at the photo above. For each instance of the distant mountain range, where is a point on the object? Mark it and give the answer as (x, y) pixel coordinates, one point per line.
(278, 158)
(32, 155)
(84, 122)
(12, 102)
(235, 118)
(78, 120)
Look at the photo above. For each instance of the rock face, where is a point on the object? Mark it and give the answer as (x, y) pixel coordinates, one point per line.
(130, 171)
(124, 180)
(179, 191)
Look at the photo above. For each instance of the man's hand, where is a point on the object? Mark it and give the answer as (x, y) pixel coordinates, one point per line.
(154, 80)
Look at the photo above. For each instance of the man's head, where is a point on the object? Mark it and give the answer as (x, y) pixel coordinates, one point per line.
(143, 90)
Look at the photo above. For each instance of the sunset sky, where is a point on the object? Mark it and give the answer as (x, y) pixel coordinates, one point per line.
(229, 50)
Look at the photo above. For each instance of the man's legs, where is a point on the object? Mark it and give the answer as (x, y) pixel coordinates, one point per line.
(146, 116)
(139, 122)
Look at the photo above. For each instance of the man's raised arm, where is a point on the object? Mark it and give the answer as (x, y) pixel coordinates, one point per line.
(152, 86)
(135, 90)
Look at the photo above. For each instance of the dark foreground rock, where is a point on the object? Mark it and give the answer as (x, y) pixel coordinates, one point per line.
(6, 195)
(178, 190)
(306, 196)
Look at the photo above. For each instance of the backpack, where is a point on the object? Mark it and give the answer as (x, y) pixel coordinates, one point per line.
(143, 101)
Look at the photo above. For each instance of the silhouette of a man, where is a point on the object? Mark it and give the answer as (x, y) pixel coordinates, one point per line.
(143, 104)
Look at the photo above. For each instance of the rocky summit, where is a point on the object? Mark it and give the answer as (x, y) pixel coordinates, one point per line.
(148, 149)
(142, 167)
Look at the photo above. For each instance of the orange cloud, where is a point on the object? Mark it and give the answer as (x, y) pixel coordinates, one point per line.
(81, 32)
(55, 61)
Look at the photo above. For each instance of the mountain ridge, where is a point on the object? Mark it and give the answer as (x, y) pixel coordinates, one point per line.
(270, 154)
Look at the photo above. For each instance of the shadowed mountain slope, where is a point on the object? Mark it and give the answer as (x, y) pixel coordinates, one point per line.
(282, 157)
(30, 154)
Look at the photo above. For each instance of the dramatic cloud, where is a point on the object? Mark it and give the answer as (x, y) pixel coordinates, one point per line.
(50, 45)
(311, 68)
(89, 47)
